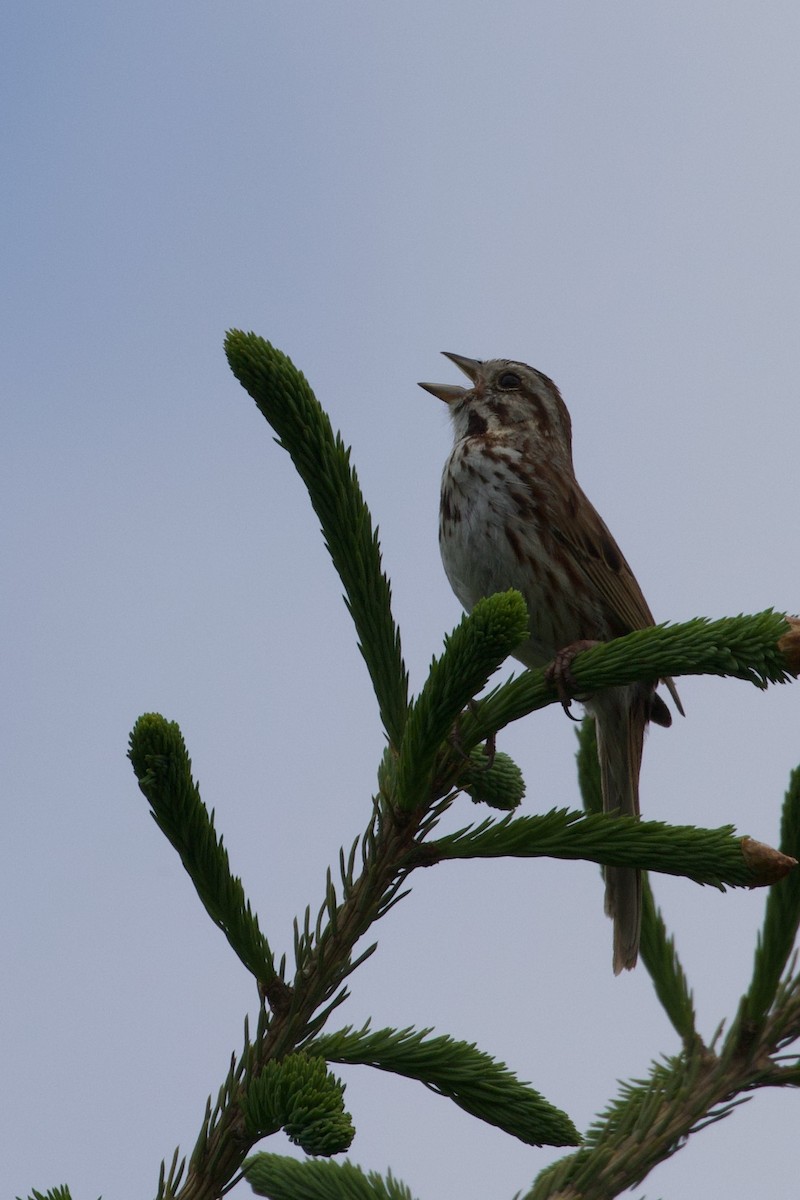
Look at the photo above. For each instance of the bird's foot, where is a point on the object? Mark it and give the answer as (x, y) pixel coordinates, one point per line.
(559, 673)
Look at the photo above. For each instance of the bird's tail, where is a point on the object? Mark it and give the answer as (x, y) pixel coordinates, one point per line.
(622, 715)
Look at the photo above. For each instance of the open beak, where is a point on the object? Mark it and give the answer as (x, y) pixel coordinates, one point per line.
(470, 366)
(450, 392)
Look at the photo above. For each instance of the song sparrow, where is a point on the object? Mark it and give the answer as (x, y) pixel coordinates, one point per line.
(513, 515)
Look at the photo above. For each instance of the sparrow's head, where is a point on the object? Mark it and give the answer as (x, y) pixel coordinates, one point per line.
(506, 397)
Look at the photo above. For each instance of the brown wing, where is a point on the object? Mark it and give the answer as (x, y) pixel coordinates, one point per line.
(593, 549)
(588, 540)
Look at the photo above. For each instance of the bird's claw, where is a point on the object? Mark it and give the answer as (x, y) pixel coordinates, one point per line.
(559, 673)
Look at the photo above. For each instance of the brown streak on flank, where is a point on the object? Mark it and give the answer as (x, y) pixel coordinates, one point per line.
(530, 498)
(575, 576)
(524, 503)
(549, 579)
(515, 542)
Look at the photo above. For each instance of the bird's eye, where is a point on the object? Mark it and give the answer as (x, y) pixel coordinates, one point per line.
(509, 381)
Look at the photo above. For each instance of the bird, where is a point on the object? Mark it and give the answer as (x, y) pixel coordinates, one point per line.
(512, 515)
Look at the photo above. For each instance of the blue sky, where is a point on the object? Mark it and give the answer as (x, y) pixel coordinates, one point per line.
(608, 191)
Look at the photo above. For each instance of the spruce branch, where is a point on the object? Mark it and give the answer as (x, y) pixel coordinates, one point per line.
(758, 649)
(282, 1178)
(168, 1181)
(660, 957)
(473, 652)
(475, 1081)
(708, 856)
(651, 1119)
(164, 771)
(778, 935)
(56, 1193)
(745, 647)
(646, 1124)
(588, 766)
(285, 398)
